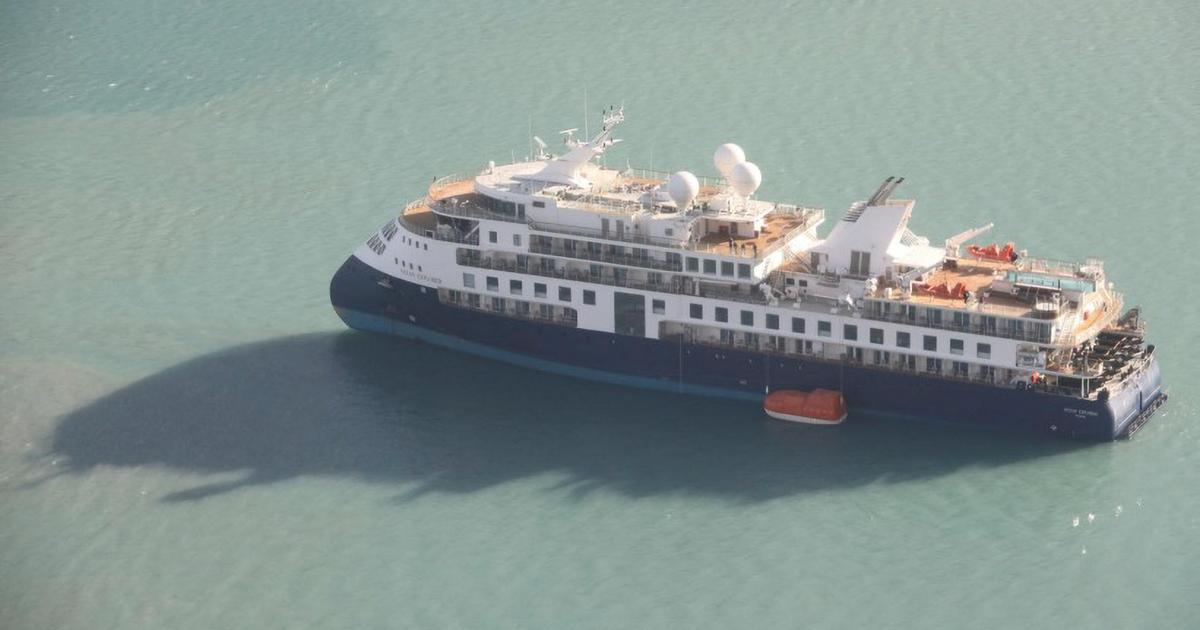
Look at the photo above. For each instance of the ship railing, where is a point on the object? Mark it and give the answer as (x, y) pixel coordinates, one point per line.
(597, 203)
(997, 379)
(706, 181)
(811, 216)
(418, 230)
(626, 237)
(583, 253)
(1054, 267)
(442, 183)
(948, 324)
(470, 211)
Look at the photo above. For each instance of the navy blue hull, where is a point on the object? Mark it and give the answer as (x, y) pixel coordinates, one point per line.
(411, 310)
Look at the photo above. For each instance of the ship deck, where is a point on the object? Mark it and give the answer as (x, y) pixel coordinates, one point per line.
(774, 228)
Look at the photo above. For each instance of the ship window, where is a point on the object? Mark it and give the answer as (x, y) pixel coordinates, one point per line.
(659, 307)
(670, 232)
(589, 296)
(772, 321)
(493, 283)
(522, 308)
(696, 311)
(514, 287)
(722, 314)
(469, 280)
(564, 294)
(517, 240)
(956, 346)
(747, 318)
(539, 290)
(492, 236)
(710, 266)
(743, 270)
(539, 204)
(877, 335)
(983, 350)
(824, 329)
(903, 339)
(693, 264)
(860, 263)
(797, 324)
(425, 246)
(726, 268)
(520, 212)
(960, 369)
(933, 366)
(850, 332)
(930, 343)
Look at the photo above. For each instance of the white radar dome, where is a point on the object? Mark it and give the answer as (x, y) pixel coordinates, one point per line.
(745, 178)
(728, 155)
(683, 188)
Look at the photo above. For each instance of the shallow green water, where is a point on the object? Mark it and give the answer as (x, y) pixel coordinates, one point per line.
(189, 439)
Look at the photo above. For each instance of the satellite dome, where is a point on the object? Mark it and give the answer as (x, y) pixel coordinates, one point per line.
(727, 156)
(745, 178)
(683, 188)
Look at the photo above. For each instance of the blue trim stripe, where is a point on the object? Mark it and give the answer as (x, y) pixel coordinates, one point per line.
(375, 323)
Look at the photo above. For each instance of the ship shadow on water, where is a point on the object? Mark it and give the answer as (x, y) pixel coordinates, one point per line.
(392, 411)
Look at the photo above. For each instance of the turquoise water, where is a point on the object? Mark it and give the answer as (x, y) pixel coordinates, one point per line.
(190, 439)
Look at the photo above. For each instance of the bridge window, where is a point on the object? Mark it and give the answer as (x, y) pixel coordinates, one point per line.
(659, 307)
(514, 287)
(726, 268)
(693, 264)
(798, 324)
(696, 311)
(956, 346)
(772, 321)
(493, 283)
(710, 266)
(589, 296)
(877, 335)
(983, 350)
(492, 236)
(930, 343)
(824, 329)
(722, 314)
(743, 270)
(903, 339)
(850, 332)
(564, 294)
(517, 240)
(747, 318)
(469, 280)
(539, 290)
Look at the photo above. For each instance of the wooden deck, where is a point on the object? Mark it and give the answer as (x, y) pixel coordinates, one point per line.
(775, 227)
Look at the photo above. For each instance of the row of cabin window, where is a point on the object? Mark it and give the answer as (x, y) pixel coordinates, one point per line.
(408, 240)
(517, 287)
(849, 331)
(710, 267)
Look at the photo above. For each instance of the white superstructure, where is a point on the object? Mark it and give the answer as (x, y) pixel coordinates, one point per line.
(672, 255)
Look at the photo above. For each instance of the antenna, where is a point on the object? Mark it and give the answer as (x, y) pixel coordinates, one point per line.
(586, 135)
(531, 136)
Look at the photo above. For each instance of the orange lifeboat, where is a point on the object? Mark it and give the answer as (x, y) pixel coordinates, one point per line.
(820, 406)
(993, 252)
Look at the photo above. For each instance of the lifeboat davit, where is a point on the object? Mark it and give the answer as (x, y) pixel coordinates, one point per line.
(820, 406)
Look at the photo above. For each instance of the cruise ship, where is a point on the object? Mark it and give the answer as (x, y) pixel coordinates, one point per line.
(695, 286)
